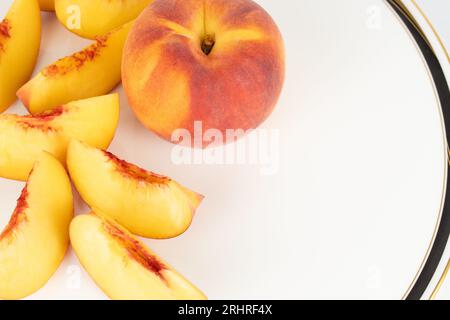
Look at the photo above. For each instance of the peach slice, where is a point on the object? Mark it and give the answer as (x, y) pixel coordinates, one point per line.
(20, 39)
(88, 18)
(91, 72)
(22, 138)
(122, 266)
(35, 241)
(47, 5)
(145, 203)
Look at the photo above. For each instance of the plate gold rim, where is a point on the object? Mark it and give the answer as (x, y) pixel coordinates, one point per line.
(416, 290)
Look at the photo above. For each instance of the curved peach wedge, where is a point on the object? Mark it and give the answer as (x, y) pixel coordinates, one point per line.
(35, 241)
(20, 38)
(23, 138)
(91, 72)
(47, 5)
(90, 19)
(122, 266)
(145, 203)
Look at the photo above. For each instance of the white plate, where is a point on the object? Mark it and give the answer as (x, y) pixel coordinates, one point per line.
(360, 168)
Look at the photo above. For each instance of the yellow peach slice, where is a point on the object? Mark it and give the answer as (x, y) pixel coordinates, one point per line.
(47, 5)
(145, 203)
(122, 266)
(20, 38)
(35, 241)
(22, 138)
(89, 19)
(91, 72)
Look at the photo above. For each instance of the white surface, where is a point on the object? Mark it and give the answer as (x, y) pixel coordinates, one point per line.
(353, 207)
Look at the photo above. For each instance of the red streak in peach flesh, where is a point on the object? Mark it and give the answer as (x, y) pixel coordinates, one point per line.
(18, 216)
(41, 121)
(77, 60)
(134, 172)
(5, 28)
(135, 250)
(50, 115)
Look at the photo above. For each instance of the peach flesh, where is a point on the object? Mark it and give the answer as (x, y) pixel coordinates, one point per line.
(78, 59)
(40, 121)
(18, 217)
(136, 251)
(146, 204)
(134, 172)
(5, 28)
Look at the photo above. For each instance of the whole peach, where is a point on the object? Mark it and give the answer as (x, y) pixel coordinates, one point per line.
(220, 62)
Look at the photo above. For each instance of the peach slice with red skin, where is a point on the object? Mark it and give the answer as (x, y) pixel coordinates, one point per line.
(20, 38)
(23, 138)
(91, 72)
(35, 241)
(145, 203)
(122, 266)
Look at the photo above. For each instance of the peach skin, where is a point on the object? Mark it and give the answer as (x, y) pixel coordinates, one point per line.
(20, 38)
(122, 266)
(147, 204)
(89, 18)
(220, 62)
(23, 138)
(35, 241)
(89, 73)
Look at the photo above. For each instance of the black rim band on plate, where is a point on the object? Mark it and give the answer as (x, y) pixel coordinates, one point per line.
(443, 232)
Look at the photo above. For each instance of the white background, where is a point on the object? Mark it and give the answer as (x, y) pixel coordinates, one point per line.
(351, 210)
